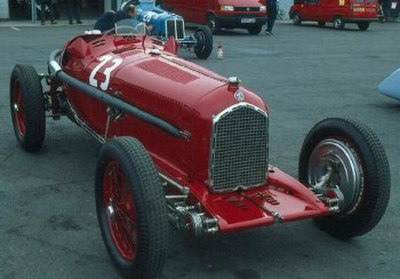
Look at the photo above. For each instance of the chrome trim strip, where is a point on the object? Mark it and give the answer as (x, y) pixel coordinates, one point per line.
(236, 106)
(84, 126)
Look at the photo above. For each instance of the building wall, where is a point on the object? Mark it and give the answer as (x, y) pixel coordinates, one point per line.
(22, 9)
(112, 4)
(4, 10)
(285, 6)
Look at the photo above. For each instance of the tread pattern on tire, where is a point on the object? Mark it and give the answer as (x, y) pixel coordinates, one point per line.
(150, 204)
(35, 123)
(204, 52)
(376, 171)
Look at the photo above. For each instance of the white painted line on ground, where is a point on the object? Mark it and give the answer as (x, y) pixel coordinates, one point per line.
(15, 28)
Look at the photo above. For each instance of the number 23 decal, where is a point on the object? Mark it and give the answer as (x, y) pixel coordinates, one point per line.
(107, 71)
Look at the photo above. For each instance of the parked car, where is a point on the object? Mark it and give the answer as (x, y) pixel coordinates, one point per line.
(186, 145)
(390, 86)
(339, 12)
(218, 14)
(165, 24)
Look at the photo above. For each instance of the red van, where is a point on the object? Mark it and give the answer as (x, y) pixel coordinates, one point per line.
(339, 12)
(217, 14)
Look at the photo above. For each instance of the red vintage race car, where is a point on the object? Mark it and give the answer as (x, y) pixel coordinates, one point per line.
(185, 145)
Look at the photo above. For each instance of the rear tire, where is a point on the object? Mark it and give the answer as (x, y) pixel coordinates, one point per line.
(363, 25)
(204, 42)
(321, 23)
(296, 18)
(255, 29)
(27, 105)
(362, 174)
(131, 208)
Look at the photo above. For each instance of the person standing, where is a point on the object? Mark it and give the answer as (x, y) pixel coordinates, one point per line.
(43, 4)
(271, 14)
(74, 11)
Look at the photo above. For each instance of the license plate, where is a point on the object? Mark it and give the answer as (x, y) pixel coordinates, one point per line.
(359, 9)
(248, 20)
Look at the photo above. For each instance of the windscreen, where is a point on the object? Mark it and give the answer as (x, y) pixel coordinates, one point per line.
(130, 26)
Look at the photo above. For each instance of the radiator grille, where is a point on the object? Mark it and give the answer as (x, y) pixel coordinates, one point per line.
(239, 149)
(180, 29)
(247, 9)
(175, 28)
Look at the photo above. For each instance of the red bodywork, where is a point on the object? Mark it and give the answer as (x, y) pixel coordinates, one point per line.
(187, 96)
(328, 10)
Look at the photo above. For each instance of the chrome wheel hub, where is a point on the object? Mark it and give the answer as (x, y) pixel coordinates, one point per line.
(333, 164)
(110, 211)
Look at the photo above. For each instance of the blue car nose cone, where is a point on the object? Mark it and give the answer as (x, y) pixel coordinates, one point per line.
(391, 85)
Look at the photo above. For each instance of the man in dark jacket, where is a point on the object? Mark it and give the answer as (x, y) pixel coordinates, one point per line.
(271, 13)
(43, 4)
(108, 19)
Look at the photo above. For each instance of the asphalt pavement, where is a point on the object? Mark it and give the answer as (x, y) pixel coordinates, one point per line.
(48, 225)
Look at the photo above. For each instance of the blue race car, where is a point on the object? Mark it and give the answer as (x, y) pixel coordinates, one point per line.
(165, 25)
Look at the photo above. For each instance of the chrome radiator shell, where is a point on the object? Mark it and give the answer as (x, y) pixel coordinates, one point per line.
(175, 28)
(239, 149)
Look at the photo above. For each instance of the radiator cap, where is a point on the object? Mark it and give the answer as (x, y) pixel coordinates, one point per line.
(233, 83)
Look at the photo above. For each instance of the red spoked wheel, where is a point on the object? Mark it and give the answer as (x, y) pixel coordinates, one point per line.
(18, 109)
(27, 106)
(131, 208)
(120, 211)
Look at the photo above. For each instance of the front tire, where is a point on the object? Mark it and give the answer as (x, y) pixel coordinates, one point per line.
(131, 208)
(296, 18)
(204, 42)
(362, 174)
(254, 30)
(363, 25)
(338, 23)
(27, 105)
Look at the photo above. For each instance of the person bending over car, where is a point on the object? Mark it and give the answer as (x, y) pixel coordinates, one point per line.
(108, 19)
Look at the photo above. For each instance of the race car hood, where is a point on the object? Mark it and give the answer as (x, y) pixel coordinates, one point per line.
(155, 82)
(168, 77)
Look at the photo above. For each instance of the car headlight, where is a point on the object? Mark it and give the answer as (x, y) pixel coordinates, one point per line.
(227, 8)
(263, 8)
